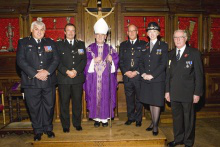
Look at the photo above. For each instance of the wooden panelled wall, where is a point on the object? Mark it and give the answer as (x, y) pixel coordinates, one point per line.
(25, 10)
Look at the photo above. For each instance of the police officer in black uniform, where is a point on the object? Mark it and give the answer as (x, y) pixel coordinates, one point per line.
(152, 69)
(129, 54)
(71, 78)
(38, 59)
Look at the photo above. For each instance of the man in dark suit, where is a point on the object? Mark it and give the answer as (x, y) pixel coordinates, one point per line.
(38, 59)
(129, 55)
(71, 78)
(184, 86)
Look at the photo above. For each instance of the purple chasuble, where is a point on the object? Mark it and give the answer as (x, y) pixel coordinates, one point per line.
(97, 84)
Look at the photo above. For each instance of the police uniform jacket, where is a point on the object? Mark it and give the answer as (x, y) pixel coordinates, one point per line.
(184, 77)
(154, 62)
(72, 57)
(32, 57)
(129, 56)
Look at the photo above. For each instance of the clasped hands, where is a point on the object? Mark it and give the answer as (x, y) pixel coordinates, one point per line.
(42, 74)
(147, 76)
(131, 74)
(71, 73)
(99, 59)
(196, 98)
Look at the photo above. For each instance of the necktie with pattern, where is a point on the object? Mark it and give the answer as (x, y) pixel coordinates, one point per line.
(178, 56)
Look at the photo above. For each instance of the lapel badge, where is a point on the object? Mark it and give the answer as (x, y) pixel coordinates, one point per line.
(80, 51)
(48, 49)
(186, 55)
(30, 45)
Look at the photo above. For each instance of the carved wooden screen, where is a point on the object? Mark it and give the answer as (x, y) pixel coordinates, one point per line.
(142, 22)
(55, 25)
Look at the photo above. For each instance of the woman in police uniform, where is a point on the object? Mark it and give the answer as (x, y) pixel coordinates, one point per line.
(152, 67)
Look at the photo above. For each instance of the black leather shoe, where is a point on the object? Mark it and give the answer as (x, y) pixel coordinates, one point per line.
(173, 144)
(66, 130)
(37, 137)
(97, 124)
(50, 134)
(138, 123)
(128, 122)
(155, 133)
(78, 128)
(149, 129)
(105, 124)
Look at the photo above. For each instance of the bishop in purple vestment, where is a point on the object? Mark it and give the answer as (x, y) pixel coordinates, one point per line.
(101, 77)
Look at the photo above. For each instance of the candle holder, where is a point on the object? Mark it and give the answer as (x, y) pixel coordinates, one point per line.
(54, 22)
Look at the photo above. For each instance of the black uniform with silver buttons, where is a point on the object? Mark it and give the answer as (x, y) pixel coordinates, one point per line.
(72, 57)
(129, 56)
(40, 95)
(154, 63)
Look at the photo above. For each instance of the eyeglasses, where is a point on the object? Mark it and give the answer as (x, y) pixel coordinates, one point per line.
(181, 37)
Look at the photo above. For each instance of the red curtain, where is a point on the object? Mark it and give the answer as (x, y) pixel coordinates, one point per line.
(4, 41)
(184, 24)
(139, 22)
(55, 26)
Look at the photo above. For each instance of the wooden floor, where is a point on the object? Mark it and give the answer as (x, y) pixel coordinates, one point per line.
(118, 135)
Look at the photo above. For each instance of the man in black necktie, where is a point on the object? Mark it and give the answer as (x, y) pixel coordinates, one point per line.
(129, 55)
(71, 78)
(184, 86)
(38, 59)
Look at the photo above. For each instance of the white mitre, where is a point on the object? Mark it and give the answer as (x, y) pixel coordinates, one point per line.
(101, 27)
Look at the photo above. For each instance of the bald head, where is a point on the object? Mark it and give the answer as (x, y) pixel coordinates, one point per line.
(132, 32)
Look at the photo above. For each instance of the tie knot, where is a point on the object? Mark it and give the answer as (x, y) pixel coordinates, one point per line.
(132, 42)
(38, 41)
(71, 42)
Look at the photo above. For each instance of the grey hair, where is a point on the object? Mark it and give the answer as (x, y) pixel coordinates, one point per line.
(38, 23)
(183, 31)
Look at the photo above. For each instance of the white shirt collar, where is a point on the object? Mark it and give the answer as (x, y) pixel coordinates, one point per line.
(70, 40)
(37, 39)
(154, 41)
(133, 41)
(181, 50)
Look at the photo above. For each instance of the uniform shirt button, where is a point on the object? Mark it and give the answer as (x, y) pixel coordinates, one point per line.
(73, 62)
(73, 56)
(148, 70)
(38, 47)
(41, 62)
(149, 55)
(149, 60)
(149, 65)
(39, 54)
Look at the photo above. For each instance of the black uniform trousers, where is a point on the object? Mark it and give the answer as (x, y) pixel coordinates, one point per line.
(183, 122)
(67, 91)
(40, 102)
(134, 106)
